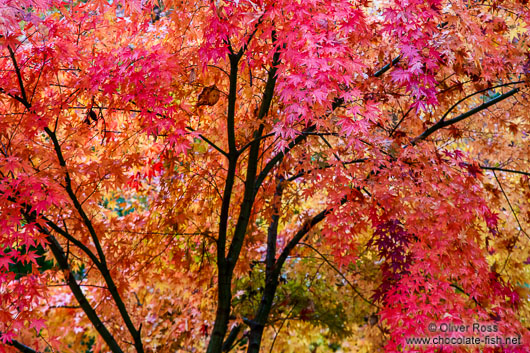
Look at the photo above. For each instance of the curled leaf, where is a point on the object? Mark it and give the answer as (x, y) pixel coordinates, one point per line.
(209, 96)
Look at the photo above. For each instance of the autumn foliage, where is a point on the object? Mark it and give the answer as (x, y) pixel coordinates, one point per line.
(274, 176)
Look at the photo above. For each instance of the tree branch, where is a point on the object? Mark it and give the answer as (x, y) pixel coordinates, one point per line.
(257, 325)
(511, 208)
(59, 253)
(444, 123)
(229, 342)
(224, 275)
(205, 139)
(272, 233)
(75, 241)
(26, 209)
(505, 170)
(21, 347)
(256, 26)
(62, 261)
(232, 96)
(340, 273)
(19, 77)
(478, 92)
(103, 269)
(298, 237)
(242, 149)
(387, 67)
(252, 167)
(15, 97)
(279, 157)
(304, 172)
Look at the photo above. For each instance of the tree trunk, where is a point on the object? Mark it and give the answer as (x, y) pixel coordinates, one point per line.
(258, 325)
(222, 315)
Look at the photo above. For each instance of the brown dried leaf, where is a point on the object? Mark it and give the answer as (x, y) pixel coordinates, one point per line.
(209, 96)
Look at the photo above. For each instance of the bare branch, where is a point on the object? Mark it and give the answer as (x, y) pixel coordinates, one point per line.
(505, 170)
(135, 333)
(478, 92)
(444, 123)
(511, 208)
(209, 142)
(298, 237)
(279, 157)
(307, 172)
(62, 261)
(19, 77)
(341, 274)
(387, 67)
(21, 347)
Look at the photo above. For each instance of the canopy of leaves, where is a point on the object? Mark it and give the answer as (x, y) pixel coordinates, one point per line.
(292, 175)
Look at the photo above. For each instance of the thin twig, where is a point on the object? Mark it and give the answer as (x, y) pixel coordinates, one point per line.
(341, 274)
(504, 170)
(510, 204)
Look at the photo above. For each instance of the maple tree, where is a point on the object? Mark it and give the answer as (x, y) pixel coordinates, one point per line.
(188, 176)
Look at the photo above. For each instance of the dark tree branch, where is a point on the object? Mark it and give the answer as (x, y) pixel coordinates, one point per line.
(504, 170)
(280, 328)
(223, 278)
(224, 274)
(227, 264)
(340, 274)
(205, 139)
(273, 268)
(189, 128)
(444, 123)
(458, 288)
(307, 172)
(135, 333)
(58, 253)
(19, 77)
(56, 249)
(21, 347)
(272, 233)
(62, 261)
(308, 131)
(478, 92)
(511, 208)
(298, 237)
(387, 67)
(399, 122)
(242, 149)
(252, 167)
(279, 157)
(232, 162)
(256, 27)
(15, 97)
(62, 232)
(232, 96)
(257, 325)
(229, 342)
(75, 241)
(38, 79)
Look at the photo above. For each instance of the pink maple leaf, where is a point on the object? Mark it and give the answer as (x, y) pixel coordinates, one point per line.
(5, 261)
(37, 324)
(7, 337)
